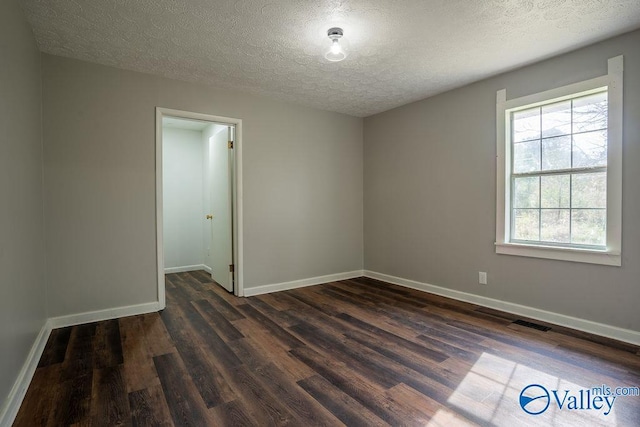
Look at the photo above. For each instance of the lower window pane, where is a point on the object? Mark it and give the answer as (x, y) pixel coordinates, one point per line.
(555, 191)
(554, 225)
(589, 190)
(589, 226)
(526, 192)
(526, 224)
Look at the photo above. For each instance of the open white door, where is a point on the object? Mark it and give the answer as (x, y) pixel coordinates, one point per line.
(221, 201)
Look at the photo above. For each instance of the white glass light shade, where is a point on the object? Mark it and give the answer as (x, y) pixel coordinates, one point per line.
(336, 47)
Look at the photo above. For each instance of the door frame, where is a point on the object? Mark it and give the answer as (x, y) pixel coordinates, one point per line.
(236, 188)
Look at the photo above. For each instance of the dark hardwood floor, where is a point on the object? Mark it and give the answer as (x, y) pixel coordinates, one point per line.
(357, 352)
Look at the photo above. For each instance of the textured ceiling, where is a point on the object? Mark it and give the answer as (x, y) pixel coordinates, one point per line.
(401, 51)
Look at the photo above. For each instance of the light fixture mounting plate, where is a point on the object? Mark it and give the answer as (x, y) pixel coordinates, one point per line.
(335, 32)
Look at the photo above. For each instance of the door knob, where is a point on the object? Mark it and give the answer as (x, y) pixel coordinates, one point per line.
(209, 216)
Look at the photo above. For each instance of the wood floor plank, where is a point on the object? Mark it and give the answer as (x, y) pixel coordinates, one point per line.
(276, 330)
(202, 365)
(221, 304)
(420, 407)
(343, 406)
(168, 284)
(73, 398)
(212, 342)
(424, 351)
(338, 373)
(279, 300)
(282, 318)
(149, 408)
(287, 299)
(263, 406)
(247, 349)
(185, 404)
(139, 371)
(374, 296)
(155, 334)
(183, 289)
(233, 414)
(198, 282)
(353, 385)
(539, 347)
(401, 355)
(109, 402)
(285, 391)
(56, 347)
(79, 357)
(379, 369)
(217, 320)
(352, 352)
(197, 285)
(351, 355)
(431, 300)
(36, 411)
(258, 349)
(107, 345)
(202, 276)
(304, 296)
(204, 332)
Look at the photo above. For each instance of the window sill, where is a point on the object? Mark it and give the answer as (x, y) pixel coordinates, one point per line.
(589, 256)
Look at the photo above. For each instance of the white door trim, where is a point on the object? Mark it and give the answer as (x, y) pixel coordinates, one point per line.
(237, 195)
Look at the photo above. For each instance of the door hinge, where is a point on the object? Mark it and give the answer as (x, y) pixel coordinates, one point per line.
(230, 144)
(231, 268)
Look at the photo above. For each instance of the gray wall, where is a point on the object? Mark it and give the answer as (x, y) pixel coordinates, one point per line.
(22, 290)
(302, 184)
(430, 189)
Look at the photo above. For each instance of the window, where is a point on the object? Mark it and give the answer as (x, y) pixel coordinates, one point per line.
(559, 171)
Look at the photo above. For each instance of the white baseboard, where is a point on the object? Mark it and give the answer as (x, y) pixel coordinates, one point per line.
(19, 389)
(207, 268)
(108, 314)
(620, 334)
(185, 268)
(277, 287)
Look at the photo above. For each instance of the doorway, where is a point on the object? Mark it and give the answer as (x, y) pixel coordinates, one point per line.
(199, 197)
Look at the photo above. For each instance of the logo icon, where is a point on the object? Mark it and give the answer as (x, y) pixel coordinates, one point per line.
(534, 399)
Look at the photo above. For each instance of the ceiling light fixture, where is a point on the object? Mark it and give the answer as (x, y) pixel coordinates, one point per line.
(338, 48)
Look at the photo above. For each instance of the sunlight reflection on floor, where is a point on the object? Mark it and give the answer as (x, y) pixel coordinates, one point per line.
(489, 395)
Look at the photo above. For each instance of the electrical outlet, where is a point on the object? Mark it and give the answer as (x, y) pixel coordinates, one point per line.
(482, 277)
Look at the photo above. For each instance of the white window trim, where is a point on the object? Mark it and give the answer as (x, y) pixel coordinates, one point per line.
(612, 255)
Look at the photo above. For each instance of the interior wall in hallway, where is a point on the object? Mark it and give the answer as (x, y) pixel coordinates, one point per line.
(183, 180)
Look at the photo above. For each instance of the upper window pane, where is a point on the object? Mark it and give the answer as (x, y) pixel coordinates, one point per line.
(526, 156)
(556, 119)
(556, 153)
(526, 125)
(590, 112)
(590, 149)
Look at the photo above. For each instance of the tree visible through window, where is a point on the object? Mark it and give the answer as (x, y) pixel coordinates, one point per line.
(559, 172)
